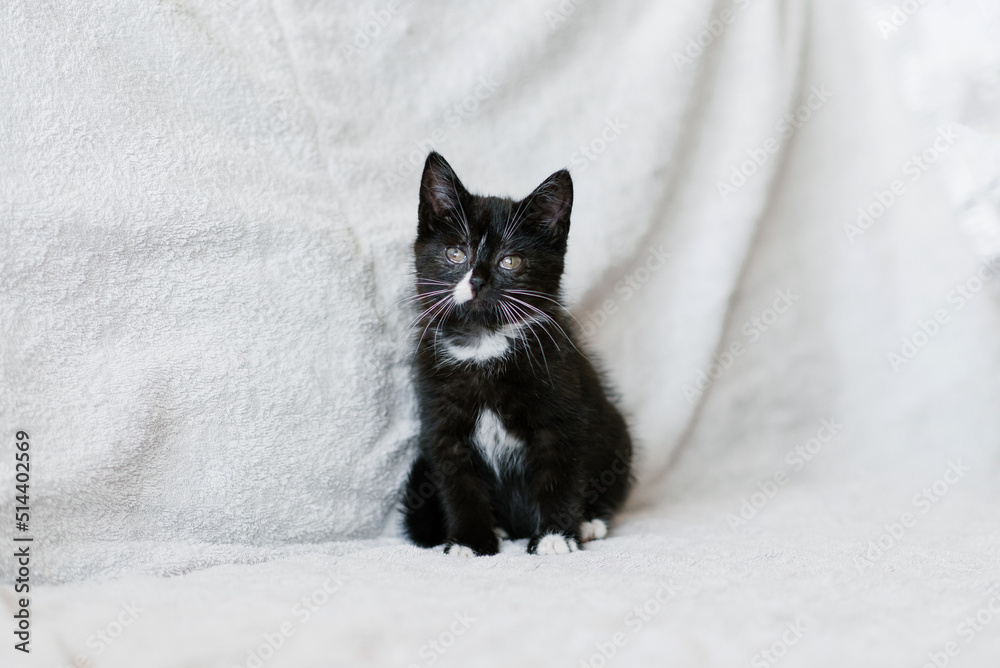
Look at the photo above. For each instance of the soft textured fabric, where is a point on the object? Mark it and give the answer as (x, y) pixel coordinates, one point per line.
(207, 211)
(207, 236)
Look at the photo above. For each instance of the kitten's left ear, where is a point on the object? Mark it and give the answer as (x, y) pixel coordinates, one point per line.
(552, 202)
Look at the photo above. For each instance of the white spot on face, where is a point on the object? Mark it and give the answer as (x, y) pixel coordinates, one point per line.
(461, 551)
(501, 451)
(463, 291)
(553, 543)
(595, 529)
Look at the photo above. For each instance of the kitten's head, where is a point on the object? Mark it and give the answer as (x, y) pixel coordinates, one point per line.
(489, 261)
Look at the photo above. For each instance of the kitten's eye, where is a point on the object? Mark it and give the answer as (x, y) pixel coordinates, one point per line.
(455, 255)
(511, 262)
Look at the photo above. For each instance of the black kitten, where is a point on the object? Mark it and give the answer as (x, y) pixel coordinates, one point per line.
(517, 433)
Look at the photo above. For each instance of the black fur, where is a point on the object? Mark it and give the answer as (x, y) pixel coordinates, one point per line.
(576, 453)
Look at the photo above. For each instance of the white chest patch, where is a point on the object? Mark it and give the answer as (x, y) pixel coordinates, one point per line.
(488, 347)
(501, 451)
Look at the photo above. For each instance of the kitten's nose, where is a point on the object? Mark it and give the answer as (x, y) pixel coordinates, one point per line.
(477, 283)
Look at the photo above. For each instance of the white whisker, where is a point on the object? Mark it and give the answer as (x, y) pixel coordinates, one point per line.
(435, 312)
(406, 301)
(548, 318)
(529, 325)
(542, 295)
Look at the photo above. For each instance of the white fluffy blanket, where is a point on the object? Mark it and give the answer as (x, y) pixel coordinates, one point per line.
(205, 216)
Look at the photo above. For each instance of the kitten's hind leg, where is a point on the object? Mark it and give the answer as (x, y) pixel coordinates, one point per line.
(423, 515)
(608, 488)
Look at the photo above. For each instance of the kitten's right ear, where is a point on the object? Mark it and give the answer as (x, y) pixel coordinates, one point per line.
(551, 203)
(440, 193)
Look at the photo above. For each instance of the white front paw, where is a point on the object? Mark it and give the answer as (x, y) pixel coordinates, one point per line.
(459, 551)
(554, 543)
(595, 529)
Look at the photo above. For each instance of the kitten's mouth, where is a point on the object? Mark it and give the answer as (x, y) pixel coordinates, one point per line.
(480, 313)
(475, 303)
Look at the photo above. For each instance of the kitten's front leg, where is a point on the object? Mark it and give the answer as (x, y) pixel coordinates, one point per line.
(466, 503)
(557, 495)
